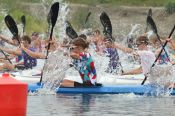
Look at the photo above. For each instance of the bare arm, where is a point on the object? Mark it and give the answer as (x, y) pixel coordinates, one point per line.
(14, 52)
(135, 71)
(172, 43)
(123, 48)
(34, 54)
(6, 40)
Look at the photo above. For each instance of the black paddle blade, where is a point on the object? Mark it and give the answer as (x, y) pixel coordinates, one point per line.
(70, 31)
(151, 24)
(87, 17)
(54, 13)
(23, 20)
(104, 18)
(150, 12)
(11, 25)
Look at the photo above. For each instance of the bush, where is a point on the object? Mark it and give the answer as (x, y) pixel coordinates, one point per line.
(170, 7)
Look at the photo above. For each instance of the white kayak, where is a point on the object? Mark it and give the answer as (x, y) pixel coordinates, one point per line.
(33, 76)
(105, 79)
(28, 76)
(109, 79)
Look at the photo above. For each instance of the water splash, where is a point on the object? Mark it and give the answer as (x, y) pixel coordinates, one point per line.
(59, 30)
(55, 71)
(162, 75)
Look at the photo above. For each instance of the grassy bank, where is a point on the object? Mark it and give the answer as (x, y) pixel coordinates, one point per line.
(16, 10)
(123, 2)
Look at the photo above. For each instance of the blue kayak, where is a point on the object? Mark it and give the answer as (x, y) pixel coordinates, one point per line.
(116, 89)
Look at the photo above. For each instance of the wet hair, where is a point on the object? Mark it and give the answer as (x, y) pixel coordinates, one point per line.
(26, 38)
(83, 36)
(142, 39)
(81, 42)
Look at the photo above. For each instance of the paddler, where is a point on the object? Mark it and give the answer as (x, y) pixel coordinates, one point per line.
(83, 63)
(146, 56)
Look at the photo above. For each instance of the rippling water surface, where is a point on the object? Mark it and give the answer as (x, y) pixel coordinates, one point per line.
(95, 105)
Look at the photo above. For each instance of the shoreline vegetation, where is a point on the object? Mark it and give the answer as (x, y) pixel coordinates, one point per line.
(145, 3)
(17, 8)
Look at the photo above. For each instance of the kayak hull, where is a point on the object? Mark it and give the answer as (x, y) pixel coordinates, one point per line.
(116, 89)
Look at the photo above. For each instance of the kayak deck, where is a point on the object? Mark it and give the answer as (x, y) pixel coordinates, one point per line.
(116, 89)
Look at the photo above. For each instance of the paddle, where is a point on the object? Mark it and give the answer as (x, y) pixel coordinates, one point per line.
(149, 14)
(105, 20)
(12, 26)
(70, 31)
(159, 53)
(13, 29)
(54, 14)
(87, 17)
(23, 20)
(6, 57)
(152, 25)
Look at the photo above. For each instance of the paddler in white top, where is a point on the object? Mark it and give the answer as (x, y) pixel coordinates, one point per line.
(147, 57)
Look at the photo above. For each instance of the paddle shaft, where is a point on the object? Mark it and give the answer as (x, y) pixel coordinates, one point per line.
(163, 48)
(47, 52)
(23, 29)
(159, 54)
(49, 42)
(6, 57)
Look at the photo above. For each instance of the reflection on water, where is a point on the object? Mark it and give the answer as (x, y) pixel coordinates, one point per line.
(88, 105)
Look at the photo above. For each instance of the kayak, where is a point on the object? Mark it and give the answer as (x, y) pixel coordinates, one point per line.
(115, 89)
(33, 76)
(26, 79)
(110, 79)
(28, 76)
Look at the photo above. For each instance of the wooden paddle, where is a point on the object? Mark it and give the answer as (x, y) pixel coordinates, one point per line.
(23, 20)
(53, 16)
(159, 54)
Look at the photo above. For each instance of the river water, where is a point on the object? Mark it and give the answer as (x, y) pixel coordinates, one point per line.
(99, 104)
